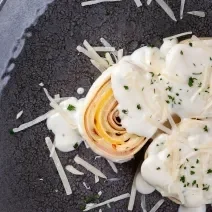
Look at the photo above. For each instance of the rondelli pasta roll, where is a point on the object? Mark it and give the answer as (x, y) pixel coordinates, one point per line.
(101, 124)
(182, 163)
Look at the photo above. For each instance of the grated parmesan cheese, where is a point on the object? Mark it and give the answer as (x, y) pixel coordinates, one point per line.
(132, 195)
(87, 187)
(89, 167)
(73, 170)
(138, 3)
(182, 8)
(157, 205)
(113, 166)
(59, 167)
(178, 35)
(104, 49)
(34, 122)
(167, 9)
(96, 179)
(86, 3)
(200, 14)
(143, 203)
(114, 199)
(149, 2)
(19, 114)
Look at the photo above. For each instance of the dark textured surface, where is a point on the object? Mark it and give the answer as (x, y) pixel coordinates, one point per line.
(50, 56)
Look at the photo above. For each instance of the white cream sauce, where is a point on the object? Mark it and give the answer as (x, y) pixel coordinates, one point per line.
(139, 95)
(182, 163)
(183, 76)
(67, 139)
(199, 209)
(142, 186)
(80, 90)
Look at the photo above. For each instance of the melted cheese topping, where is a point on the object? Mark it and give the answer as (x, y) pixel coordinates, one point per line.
(182, 163)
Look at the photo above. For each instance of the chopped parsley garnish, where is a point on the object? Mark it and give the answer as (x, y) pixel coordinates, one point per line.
(168, 155)
(197, 185)
(194, 64)
(197, 73)
(171, 98)
(91, 198)
(185, 167)
(125, 111)
(188, 184)
(11, 132)
(177, 94)
(209, 171)
(139, 107)
(126, 87)
(158, 168)
(181, 166)
(191, 81)
(142, 88)
(152, 74)
(190, 44)
(192, 172)
(71, 107)
(205, 128)
(76, 145)
(192, 167)
(187, 159)
(182, 179)
(194, 182)
(210, 58)
(181, 52)
(185, 185)
(169, 88)
(197, 161)
(205, 187)
(200, 85)
(179, 149)
(157, 145)
(167, 101)
(195, 149)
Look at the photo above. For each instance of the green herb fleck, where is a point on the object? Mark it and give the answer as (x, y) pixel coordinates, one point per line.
(168, 155)
(125, 111)
(139, 107)
(197, 161)
(177, 94)
(185, 167)
(182, 179)
(76, 145)
(179, 149)
(191, 81)
(192, 172)
(188, 184)
(169, 88)
(205, 187)
(200, 85)
(210, 58)
(187, 159)
(205, 128)
(142, 88)
(181, 52)
(197, 73)
(167, 101)
(158, 168)
(152, 74)
(194, 182)
(192, 167)
(71, 107)
(209, 171)
(91, 198)
(11, 132)
(195, 149)
(190, 44)
(126, 87)
(194, 64)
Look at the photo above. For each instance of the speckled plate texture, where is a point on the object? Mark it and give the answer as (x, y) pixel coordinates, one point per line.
(50, 56)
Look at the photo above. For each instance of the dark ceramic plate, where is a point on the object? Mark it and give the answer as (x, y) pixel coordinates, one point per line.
(50, 56)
